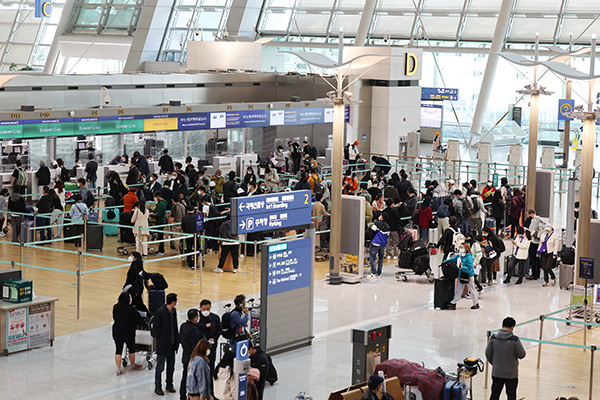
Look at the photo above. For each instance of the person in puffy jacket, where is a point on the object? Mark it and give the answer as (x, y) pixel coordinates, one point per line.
(199, 380)
(514, 212)
(521, 252)
(377, 247)
(465, 268)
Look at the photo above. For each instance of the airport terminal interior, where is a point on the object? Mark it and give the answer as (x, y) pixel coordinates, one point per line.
(384, 181)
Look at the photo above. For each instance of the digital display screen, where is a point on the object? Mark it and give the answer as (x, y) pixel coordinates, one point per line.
(431, 116)
(17, 149)
(81, 145)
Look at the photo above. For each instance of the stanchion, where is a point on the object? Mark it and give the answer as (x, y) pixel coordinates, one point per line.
(487, 363)
(20, 250)
(195, 249)
(585, 315)
(495, 169)
(539, 357)
(592, 351)
(254, 280)
(12, 264)
(79, 280)
(83, 242)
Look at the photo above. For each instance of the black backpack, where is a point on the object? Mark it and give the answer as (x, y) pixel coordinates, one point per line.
(158, 281)
(90, 200)
(272, 375)
(212, 212)
(347, 151)
(227, 331)
(450, 270)
(313, 152)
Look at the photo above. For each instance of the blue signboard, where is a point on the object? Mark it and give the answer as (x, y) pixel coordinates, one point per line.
(586, 268)
(439, 94)
(193, 122)
(242, 387)
(288, 265)
(199, 221)
(270, 212)
(241, 350)
(565, 106)
(42, 8)
(517, 115)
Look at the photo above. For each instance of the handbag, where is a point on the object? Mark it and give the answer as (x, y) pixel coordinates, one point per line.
(463, 276)
(83, 216)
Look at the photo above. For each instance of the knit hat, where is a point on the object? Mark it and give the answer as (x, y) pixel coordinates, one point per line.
(375, 381)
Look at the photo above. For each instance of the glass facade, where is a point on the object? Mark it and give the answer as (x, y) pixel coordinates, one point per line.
(110, 17)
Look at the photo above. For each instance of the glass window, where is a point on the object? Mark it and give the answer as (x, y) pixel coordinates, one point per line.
(89, 16)
(316, 3)
(398, 4)
(277, 21)
(486, 5)
(541, 6)
(432, 5)
(441, 27)
(525, 28)
(479, 27)
(197, 144)
(210, 19)
(349, 22)
(312, 23)
(119, 17)
(352, 3)
(398, 25)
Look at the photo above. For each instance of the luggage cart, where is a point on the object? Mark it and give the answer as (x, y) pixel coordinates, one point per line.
(408, 265)
(254, 330)
(145, 346)
(578, 295)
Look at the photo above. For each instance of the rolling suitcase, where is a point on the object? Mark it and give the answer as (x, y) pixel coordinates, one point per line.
(110, 230)
(443, 293)
(93, 216)
(95, 238)
(454, 391)
(490, 223)
(27, 234)
(511, 266)
(156, 299)
(432, 236)
(565, 276)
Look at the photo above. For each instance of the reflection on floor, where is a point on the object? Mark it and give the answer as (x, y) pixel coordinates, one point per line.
(80, 365)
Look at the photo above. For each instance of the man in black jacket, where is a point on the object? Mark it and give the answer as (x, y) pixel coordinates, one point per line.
(188, 225)
(190, 336)
(165, 163)
(43, 176)
(91, 169)
(230, 188)
(391, 217)
(403, 186)
(210, 329)
(259, 360)
(44, 206)
(142, 164)
(164, 329)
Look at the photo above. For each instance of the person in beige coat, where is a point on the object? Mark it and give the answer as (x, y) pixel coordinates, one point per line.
(548, 251)
(318, 212)
(140, 220)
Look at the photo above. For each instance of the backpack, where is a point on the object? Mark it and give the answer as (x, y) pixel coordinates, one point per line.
(295, 149)
(467, 208)
(158, 281)
(347, 151)
(227, 331)
(540, 229)
(272, 375)
(65, 175)
(457, 239)
(415, 217)
(443, 211)
(22, 178)
(475, 203)
(212, 211)
(318, 186)
(313, 152)
(450, 270)
(594, 214)
(90, 200)
(501, 246)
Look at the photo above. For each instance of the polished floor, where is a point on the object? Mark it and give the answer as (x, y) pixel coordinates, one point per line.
(80, 365)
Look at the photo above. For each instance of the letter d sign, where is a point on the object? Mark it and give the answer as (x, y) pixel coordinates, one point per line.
(43, 8)
(410, 64)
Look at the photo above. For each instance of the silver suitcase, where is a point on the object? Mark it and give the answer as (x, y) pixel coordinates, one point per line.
(565, 276)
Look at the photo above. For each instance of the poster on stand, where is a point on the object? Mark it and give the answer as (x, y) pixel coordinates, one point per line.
(16, 330)
(39, 325)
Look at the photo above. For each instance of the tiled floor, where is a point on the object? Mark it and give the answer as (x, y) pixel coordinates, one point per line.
(80, 365)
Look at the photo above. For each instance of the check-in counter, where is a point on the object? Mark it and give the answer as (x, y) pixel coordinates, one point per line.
(244, 161)
(26, 326)
(225, 164)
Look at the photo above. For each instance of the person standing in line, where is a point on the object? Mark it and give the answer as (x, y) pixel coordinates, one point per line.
(190, 336)
(139, 219)
(161, 219)
(377, 246)
(548, 251)
(516, 208)
(178, 211)
(210, 329)
(165, 163)
(3, 219)
(19, 178)
(521, 252)
(199, 380)
(296, 155)
(165, 330)
(392, 219)
(503, 351)
(91, 170)
(425, 217)
(239, 320)
(43, 176)
(44, 206)
(224, 379)
(16, 204)
(126, 319)
(536, 229)
(83, 192)
(228, 246)
(79, 214)
(465, 268)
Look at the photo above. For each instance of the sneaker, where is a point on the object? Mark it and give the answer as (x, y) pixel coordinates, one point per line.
(170, 389)
(389, 257)
(159, 392)
(466, 296)
(506, 281)
(234, 271)
(475, 307)
(395, 257)
(160, 253)
(519, 281)
(119, 372)
(2, 234)
(137, 367)
(218, 270)
(191, 268)
(451, 306)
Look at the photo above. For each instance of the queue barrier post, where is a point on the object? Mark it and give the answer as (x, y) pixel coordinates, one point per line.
(79, 280)
(539, 357)
(592, 351)
(195, 250)
(202, 265)
(254, 280)
(12, 264)
(20, 250)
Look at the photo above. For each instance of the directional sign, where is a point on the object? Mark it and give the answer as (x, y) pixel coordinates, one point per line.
(439, 94)
(270, 212)
(565, 106)
(241, 350)
(586, 268)
(288, 265)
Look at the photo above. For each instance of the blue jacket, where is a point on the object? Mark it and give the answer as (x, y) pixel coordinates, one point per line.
(198, 380)
(382, 232)
(238, 322)
(466, 262)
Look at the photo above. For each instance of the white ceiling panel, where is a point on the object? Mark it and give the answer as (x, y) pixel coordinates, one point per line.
(316, 4)
(576, 26)
(398, 25)
(347, 21)
(440, 27)
(454, 5)
(524, 29)
(398, 4)
(547, 6)
(486, 5)
(311, 23)
(477, 28)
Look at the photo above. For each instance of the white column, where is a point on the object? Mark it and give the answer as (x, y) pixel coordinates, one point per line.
(365, 22)
(492, 64)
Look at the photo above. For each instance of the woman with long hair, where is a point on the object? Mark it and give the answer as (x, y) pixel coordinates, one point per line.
(223, 378)
(139, 218)
(199, 380)
(425, 217)
(57, 210)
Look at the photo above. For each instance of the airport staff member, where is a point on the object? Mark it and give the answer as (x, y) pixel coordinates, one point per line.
(504, 350)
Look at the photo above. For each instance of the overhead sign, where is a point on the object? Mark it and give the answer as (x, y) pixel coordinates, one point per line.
(270, 212)
(288, 265)
(565, 106)
(586, 268)
(42, 8)
(439, 94)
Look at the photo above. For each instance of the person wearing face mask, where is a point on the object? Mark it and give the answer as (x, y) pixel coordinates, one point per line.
(521, 252)
(199, 382)
(165, 329)
(465, 272)
(210, 329)
(123, 330)
(488, 193)
(189, 336)
(547, 252)
(134, 283)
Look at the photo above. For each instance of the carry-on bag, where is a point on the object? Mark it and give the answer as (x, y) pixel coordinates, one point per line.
(27, 232)
(443, 293)
(455, 390)
(94, 239)
(156, 299)
(405, 259)
(420, 264)
(565, 276)
(109, 216)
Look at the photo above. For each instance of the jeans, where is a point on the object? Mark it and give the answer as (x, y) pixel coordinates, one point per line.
(499, 383)
(45, 233)
(351, 165)
(424, 234)
(459, 291)
(376, 253)
(160, 367)
(464, 225)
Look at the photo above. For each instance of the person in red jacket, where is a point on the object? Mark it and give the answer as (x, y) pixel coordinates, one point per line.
(488, 193)
(349, 183)
(425, 218)
(129, 200)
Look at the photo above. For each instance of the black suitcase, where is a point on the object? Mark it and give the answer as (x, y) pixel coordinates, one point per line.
(405, 259)
(126, 234)
(95, 237)
(156, 299)
(418, 248)
(511, 265)
(443, 293)
(420, 264)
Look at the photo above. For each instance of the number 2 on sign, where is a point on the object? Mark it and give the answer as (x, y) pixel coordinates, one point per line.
(305, 199)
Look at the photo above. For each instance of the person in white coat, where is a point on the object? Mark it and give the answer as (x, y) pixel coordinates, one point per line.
(224, 379)
(548, 251)
(521, 252)
(139, 218)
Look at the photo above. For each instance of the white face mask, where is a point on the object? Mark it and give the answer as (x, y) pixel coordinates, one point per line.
(462, 252)
(207, 352)
(131, 259)
(205, 313)
(577, 209)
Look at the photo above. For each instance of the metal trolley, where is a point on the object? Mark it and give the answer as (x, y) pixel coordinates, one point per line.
(578, 306)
